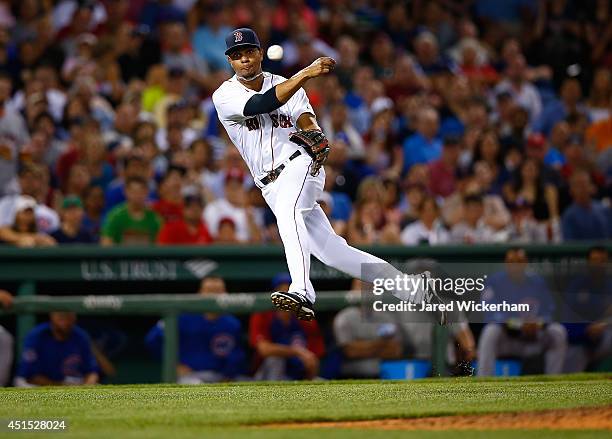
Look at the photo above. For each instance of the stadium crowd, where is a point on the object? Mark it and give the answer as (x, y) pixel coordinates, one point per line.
(451, 121)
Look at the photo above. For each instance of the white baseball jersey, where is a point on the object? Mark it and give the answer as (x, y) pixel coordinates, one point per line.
(263, 140)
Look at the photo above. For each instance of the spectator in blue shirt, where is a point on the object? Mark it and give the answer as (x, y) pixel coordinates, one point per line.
(521, 334)
(72, 230)
(558, 110)
(208, 40)
(57, 353)
(585, 218)
(209, 343)
(424, 146)
(135, 165)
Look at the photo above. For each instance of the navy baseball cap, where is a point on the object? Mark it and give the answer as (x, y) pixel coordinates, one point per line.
(241, 37)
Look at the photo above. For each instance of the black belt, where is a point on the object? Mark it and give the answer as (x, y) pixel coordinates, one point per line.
(274, 173)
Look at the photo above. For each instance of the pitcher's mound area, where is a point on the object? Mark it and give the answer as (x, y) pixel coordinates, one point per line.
(595, 418)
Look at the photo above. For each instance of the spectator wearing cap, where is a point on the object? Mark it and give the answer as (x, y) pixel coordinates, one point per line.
(13, 136)
(235, 206)
(23, 231)
(285, 347)
(585, 218)
(169, 205)
(226, 235)
(424, 146)
(132, 222)
(210, 344)
(32, 182)
(443, 171)
(72, 230)
(190, 229)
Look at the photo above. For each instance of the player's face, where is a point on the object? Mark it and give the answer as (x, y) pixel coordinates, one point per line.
(62, 323)
(213, 285)
(246, 61)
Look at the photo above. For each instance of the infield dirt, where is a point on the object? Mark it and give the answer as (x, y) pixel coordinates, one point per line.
(591, 418)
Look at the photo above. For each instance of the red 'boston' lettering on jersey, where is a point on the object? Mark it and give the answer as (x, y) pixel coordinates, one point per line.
(252, 123)
(281, 120)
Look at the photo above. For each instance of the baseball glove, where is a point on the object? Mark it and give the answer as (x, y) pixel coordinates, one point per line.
(316, 145)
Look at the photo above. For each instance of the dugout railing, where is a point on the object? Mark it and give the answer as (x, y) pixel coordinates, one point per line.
(168, 307)
(75, 269)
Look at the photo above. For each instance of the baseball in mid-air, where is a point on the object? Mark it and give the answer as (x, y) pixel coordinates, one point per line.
(275, 52)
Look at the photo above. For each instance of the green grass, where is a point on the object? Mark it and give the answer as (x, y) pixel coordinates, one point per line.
(228, 410)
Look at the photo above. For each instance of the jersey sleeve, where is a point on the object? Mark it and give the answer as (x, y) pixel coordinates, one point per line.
(230, 104)
(299, 104)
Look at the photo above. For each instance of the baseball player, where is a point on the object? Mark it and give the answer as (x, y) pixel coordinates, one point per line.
(270, 120)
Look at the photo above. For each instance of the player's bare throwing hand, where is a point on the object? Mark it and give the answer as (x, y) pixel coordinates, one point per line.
(270, 120)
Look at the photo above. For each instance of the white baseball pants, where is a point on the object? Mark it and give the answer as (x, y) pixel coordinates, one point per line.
(305, 229)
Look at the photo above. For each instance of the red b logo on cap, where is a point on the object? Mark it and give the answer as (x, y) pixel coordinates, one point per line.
(237, 37)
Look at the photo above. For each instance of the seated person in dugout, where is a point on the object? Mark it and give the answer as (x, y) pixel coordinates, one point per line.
(520, 334)
(210, 347)
(286, 348)
(365, 342)
(588, 301)
(57, 353)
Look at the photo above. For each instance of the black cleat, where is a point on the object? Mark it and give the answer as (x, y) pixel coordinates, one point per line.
(294, 303)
